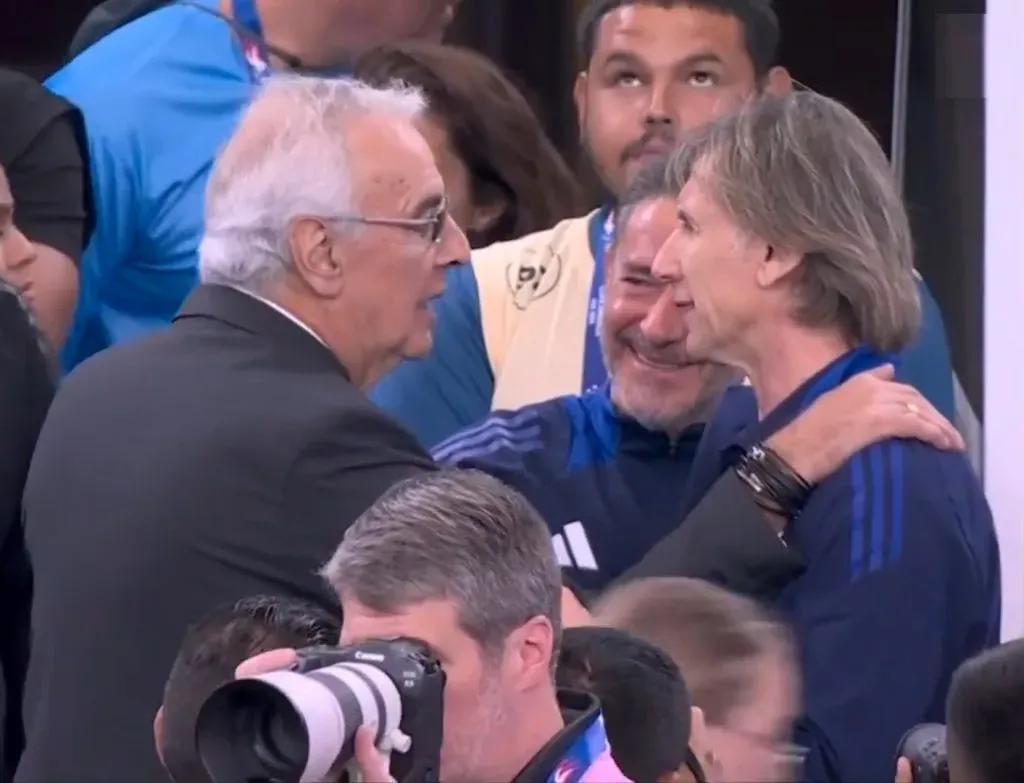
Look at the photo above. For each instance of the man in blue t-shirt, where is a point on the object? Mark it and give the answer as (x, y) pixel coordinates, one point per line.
(161, 86)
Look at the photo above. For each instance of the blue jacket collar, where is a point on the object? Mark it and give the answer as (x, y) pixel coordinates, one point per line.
(619, 433)
(854, 362)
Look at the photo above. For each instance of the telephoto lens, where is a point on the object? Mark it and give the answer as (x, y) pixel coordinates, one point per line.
(924, 746)
(298, 725)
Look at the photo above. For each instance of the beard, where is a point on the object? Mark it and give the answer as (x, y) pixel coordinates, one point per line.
(663, 414)
(662, 409)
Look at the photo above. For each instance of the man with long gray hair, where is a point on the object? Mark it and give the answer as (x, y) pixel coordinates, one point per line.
(462, 563)
(226, 456)
(792, 261)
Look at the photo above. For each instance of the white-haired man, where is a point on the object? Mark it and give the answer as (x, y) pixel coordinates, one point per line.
(226, 456)
(792, 260)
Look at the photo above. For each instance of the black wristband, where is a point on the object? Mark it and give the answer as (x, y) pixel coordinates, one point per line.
(773, 482)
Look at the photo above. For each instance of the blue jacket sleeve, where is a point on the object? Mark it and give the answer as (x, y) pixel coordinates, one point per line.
(926, 364)
(451, 388)
(871, 614)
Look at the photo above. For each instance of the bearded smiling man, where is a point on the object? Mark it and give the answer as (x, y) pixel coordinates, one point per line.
(608, 469)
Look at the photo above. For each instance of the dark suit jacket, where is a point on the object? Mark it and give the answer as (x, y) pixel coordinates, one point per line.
(27, 383)
(221, 458)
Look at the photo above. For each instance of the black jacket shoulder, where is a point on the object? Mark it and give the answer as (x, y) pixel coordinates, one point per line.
(219, 459)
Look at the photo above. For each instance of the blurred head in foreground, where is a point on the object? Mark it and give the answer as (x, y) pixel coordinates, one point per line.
(738, 663)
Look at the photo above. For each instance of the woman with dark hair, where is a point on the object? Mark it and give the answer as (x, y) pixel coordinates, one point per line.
(504, 177)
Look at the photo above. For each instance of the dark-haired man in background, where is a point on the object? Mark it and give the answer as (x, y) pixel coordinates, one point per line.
(211, 651)
(519, 324)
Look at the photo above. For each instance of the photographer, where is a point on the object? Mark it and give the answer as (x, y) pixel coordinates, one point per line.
(462, 564)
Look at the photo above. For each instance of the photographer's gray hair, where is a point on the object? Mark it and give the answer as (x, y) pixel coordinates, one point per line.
(453, 535)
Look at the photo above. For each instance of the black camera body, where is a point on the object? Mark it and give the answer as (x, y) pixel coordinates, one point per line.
(299, 724)
(924, 746)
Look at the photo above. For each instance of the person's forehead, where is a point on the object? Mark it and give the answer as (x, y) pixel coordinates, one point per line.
(647, 31)
(392, 164)
(433, 622)
(650, 223)
(695, 193)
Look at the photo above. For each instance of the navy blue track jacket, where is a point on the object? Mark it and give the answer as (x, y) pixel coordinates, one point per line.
(608, 488)
(902, 582)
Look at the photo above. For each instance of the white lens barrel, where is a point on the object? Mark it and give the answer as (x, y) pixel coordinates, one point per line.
(322, 711)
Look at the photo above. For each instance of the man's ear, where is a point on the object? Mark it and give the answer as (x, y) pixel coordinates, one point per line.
(778, 263)
(158, 733)
(778, 81)
(529, 650)
(313, 257)
(579, 97)
(698, 730)
(700, 743)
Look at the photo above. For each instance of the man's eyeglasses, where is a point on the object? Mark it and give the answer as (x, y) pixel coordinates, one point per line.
(431, 227)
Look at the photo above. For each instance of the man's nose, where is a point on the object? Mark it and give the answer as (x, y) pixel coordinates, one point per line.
(659, 116)
(666, 267)
(663, 322)
(454, 247)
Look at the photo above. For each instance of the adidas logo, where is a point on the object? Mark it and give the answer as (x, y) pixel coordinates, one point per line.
(572, 548)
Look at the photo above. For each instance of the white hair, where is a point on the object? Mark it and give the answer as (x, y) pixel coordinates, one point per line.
(288, 157)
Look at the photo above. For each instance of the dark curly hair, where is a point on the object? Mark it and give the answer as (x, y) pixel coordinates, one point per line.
(492, 129)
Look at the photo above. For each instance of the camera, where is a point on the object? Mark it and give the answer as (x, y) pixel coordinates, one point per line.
(298, 724)
(924, 746)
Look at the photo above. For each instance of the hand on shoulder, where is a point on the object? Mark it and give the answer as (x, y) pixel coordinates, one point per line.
(866, 409)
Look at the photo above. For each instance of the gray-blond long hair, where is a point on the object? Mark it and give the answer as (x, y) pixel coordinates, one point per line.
(803, 173)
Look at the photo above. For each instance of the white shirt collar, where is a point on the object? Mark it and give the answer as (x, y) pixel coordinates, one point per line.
(290, 316)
